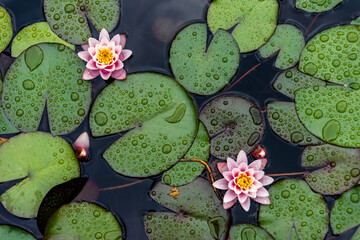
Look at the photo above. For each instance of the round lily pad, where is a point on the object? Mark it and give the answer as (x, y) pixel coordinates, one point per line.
(254, 21)
(292, 79)
(234, 123)
(317, 5)
(345, 213)
(200, 69)
(33, 34)
(333, 55)
(14, 233)
(356, 236)
(340, 168)
(331, 113)
(43, 162)
(356, 21)
(69, 19)
(289, 41)
(249, 232)
(6, 29)
(199, 213)
(160, 115)
(82, 220)
(295, 210)
(184, 172)
(5, 125)
(48, 74)
(285, 123)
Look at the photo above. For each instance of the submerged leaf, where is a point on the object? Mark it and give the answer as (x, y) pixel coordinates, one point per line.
(249, 232)
(234, 123)
(199, 69)
(6, 29)
(14, 233)
(254, 21)
(317, 5)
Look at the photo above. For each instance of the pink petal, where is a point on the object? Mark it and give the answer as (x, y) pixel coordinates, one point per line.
(84, 55)
(229, 196)
(118, 50)
(228, 175)
(82, 141)
(92, 51)
(241, 157)
(105, 74)
(231, 164)
(119, 74)
(125, 54)
(122, 40)
(221, 184)
(90, 74)
(91, 65)
(220, 166)
(237, 189)
(110, 68)
(253, 189)
(252, 194)
(256, 165)
(243, 166)
(118, 65)
(250, 172)
(116, 39)
(85, 46)
(111, 45)
(104, 42)
(242, 197)
(228, 205)
(93, 42)
(235, 172)
(104, 35)
(262, 192)
(257, 184)
(266, 180)
(232, 185)
(262, 200)
(263, 163)
(258, 174)
(246, 205)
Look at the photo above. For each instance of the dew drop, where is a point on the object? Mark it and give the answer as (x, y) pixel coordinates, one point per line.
(28, 84)
(331, 130)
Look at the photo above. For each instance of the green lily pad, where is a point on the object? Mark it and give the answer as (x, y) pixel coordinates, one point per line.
(317, 5)
(356, 236)
(199, 69)
(199, 213)
(254, 21)
(289, 41)
(33, 34)
(292, 79)
(345, 213)
(82, 220)
(356, 21)
(249, 232)
(235, 123)
(333, 55)
(48, 74)
(43, 162)
(160, 115)
(285, 123)
(184, 172)
(6, 126)
(340, 168)
(14, 233)
(6, 29)
(331, 113)
(295, 210)
(69, 19)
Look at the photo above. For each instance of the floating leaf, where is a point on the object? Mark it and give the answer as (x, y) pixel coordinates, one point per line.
(331, 113)
(33, 34)
(295, 210)
(356, 21)
(340, 168)
(199, 213)
(184, 172)
(160, 115)
(285, 123)
(234, 123)
(82, 220)
(5, 125)
(356, 236)
(334, 55)
(289, 41)
(14, 233)
(199, 69)
(6, 29)
(292, 79)
(51, 74)
(345, 213)
(254, 21)
(317, 5)
(69, 19)
(249, 232)
(43, 162)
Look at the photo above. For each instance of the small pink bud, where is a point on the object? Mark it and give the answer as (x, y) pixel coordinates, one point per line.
(82, 145)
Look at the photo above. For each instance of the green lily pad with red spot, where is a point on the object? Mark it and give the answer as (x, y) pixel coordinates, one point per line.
(248, 231)
(5, 125)
(199, 213)
(334, 55)
(317, 5)
(233, 122)
(292, 79)
(345, 213)
(69, 19)
(331, 113)
(289, 41)
(339, 170)
(295, 212)
(14, 233)
(254, 21)
(201, 69)
(160, 115)
(83, 220)
(43, 162)
(6, 29)
(286, 124)
(46, 75)
(184, 172)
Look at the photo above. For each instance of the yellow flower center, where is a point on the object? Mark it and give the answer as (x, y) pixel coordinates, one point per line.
(244, 181)
(105, 56)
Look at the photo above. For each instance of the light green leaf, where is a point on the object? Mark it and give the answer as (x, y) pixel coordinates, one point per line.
(317, 5)
(6, 29)
(356, 21)
(14, 233)
(5, 125)
(249, 232)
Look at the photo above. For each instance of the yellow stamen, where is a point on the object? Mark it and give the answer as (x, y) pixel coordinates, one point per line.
(244, 181)
(105, 56)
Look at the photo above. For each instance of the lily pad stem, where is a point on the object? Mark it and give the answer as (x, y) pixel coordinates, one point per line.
(286, 174)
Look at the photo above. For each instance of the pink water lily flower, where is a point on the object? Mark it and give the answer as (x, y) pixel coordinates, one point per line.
(105, 57)
(243, 181)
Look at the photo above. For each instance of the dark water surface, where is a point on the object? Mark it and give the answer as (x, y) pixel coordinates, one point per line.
(138, 18)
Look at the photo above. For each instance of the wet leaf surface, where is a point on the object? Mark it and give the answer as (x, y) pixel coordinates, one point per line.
(317, 5)
(6, 29)
(14, 233)
(5, 125)
(249, 232)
